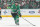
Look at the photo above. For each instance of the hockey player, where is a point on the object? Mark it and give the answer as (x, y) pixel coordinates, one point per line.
(16, 12)
(0, 10)
(0, 14)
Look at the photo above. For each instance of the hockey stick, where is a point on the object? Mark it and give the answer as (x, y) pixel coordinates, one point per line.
(29, 22)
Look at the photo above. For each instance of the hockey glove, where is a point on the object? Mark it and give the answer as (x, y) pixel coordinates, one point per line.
(20, 15)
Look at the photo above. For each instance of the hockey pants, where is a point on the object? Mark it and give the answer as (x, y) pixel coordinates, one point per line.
(16, 18)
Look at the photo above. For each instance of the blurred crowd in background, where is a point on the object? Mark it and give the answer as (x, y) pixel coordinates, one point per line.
(24, 4)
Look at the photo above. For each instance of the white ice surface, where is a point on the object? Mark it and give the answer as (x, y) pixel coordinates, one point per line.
(9, 22)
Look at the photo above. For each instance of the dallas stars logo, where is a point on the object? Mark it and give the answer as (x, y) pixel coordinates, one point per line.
(5, 12)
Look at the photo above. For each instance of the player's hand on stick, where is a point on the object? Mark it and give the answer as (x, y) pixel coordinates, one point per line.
(20, 15)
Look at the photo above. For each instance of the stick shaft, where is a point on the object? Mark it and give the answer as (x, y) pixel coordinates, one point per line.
(29, 22)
